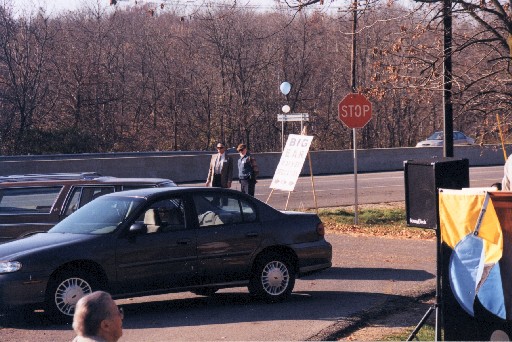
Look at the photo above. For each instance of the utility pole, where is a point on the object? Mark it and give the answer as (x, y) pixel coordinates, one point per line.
(447, 79)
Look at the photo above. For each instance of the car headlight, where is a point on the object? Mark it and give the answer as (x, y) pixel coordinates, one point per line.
(9, 266)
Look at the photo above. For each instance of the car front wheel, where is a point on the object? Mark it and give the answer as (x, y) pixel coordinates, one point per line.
(273, 278)
(64, 291)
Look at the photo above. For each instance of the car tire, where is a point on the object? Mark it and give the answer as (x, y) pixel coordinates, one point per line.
(273, 278)
(205, 291)
(64, 291)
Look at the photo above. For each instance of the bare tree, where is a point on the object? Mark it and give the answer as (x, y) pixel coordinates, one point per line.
(24, 55)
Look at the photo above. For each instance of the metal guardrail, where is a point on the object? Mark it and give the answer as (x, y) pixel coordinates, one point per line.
(191, 166)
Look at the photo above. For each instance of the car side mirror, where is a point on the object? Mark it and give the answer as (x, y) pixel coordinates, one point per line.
(137, 228)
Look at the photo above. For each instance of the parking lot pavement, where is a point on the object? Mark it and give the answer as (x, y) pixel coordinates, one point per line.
(368, 274)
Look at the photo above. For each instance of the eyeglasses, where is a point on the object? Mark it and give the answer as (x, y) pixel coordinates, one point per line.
(220, 147)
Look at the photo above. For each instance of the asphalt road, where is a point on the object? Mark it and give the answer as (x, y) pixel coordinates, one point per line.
(367, 272)
(339, 190)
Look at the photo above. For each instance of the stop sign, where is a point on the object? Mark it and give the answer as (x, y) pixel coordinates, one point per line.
(355, 110)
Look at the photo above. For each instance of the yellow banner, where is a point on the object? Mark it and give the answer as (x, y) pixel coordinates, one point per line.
(458, 214)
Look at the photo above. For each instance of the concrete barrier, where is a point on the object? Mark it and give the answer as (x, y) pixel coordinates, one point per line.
(185, 167)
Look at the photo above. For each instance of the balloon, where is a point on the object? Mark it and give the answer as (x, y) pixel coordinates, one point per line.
(285, 88)
(285, 109)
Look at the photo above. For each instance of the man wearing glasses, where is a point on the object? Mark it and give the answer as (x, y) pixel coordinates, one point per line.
(97, 318)
(220, 173)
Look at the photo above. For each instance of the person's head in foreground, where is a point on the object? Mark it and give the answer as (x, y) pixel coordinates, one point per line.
(97, 318)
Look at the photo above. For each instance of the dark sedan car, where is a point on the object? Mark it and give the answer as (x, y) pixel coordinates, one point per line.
(160, 240)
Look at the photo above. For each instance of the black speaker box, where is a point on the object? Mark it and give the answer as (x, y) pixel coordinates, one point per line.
(423, 179)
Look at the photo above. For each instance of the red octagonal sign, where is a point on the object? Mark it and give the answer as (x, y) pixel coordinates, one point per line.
(355, 110)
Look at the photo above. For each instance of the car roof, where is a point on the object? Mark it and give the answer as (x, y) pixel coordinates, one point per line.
(83, 178)
(148, 192)
(50, 176)
(443, 131)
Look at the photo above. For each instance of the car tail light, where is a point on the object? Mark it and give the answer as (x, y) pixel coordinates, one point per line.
(320, 229)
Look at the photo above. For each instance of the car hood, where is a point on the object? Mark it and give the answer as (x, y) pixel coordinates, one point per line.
(13, 249)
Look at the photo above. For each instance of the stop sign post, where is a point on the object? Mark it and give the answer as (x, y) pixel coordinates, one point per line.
(355, 111)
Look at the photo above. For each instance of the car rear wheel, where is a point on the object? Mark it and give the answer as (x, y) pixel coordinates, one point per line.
(64, 291)
(273, 278)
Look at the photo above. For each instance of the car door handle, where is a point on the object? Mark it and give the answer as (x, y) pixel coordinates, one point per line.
(183, 241)
(252, 234)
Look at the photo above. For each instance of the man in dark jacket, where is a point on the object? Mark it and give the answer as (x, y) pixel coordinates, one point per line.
(247, 170)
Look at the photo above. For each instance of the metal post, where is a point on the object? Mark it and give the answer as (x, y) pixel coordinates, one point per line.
(356, 217)
(354, 89)
(282, 136)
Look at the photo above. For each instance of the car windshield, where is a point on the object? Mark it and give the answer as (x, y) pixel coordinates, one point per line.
(436, 136)
(101, 216)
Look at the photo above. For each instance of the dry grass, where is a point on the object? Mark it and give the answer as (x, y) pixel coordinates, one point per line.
(383, 220)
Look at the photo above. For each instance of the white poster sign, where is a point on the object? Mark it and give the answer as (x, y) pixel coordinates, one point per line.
(291, 162)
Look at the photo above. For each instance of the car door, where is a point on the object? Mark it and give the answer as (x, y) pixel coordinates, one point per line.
(228, 236)
(164, 256)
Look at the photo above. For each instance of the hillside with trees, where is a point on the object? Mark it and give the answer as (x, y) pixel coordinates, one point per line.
(107, 79)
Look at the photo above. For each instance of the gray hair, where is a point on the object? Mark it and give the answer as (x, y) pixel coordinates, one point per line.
(90, 310)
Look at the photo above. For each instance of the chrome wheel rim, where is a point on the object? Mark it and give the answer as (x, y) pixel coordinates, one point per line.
(275, 278)
(69, 292)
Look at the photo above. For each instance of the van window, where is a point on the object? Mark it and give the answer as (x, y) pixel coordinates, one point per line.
(28, 200)
(80, 196)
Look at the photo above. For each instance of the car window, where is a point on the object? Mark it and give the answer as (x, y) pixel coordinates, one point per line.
(222, 209)
(436, 136)
(92, 192)
(80, 196)
(164, 216)
(74, 202)
(248, 212)
(102, 216)
(28, 200)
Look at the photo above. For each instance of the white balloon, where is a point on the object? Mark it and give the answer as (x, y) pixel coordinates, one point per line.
(285, 88)
(285, 109)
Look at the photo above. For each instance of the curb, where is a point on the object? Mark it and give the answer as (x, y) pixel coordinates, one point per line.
(345, 327)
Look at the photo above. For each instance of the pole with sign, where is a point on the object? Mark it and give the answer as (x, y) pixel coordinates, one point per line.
(291, 117)
(355, 111)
